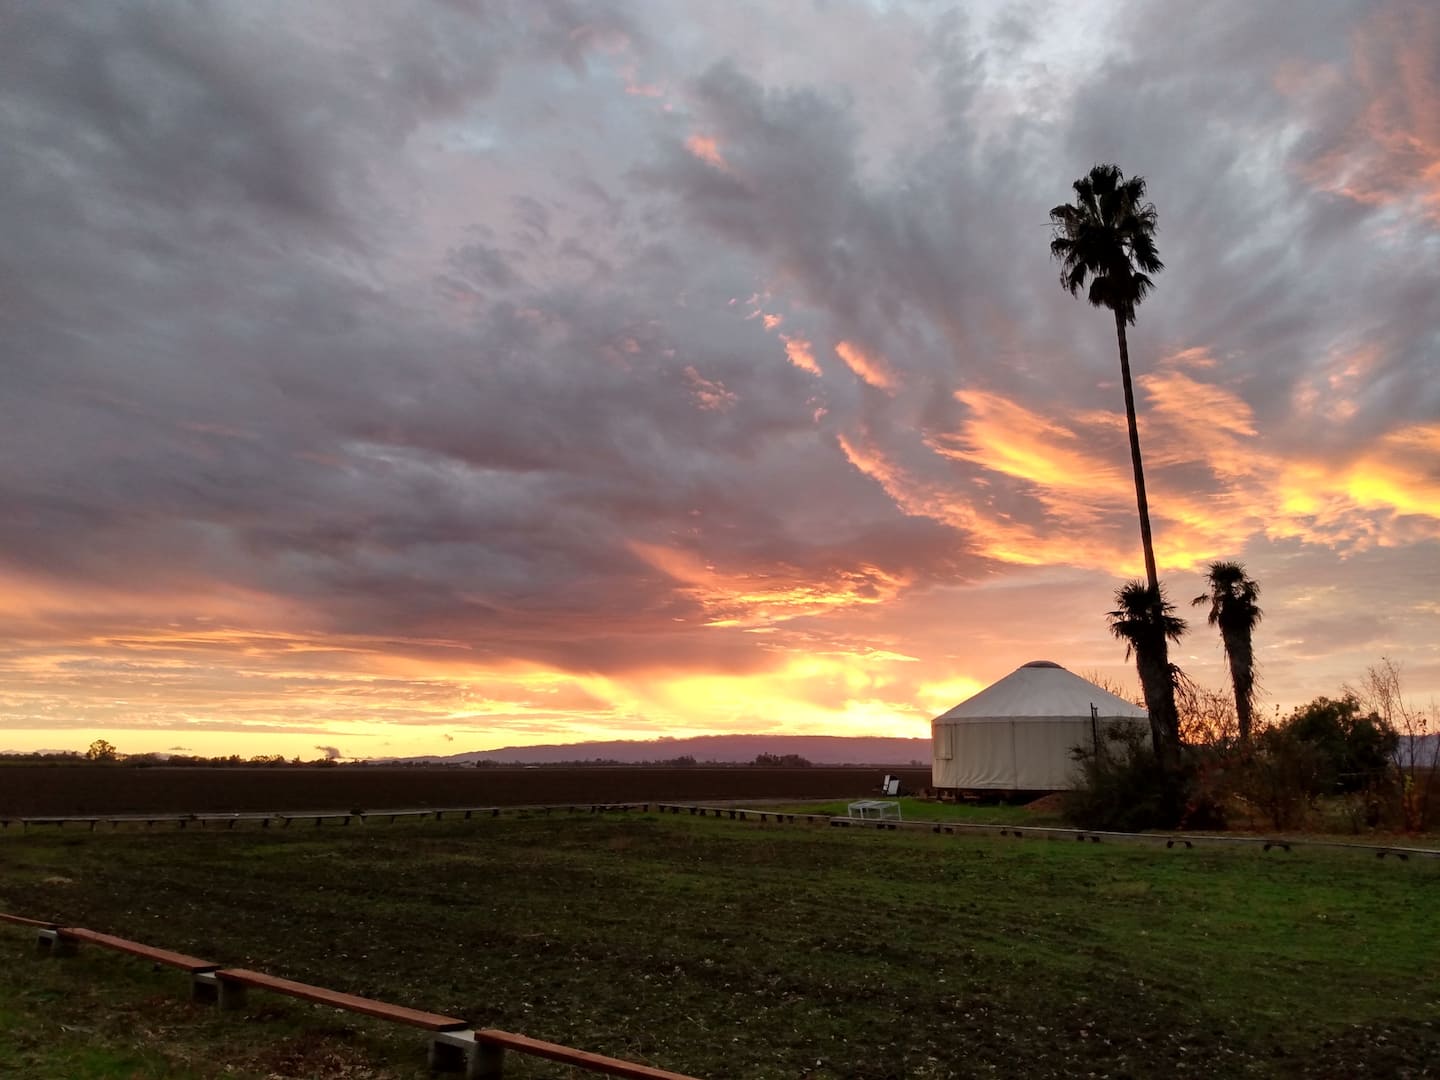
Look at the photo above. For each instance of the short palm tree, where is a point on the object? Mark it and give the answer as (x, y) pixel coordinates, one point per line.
(1108, 237)
(1146, 621)
(1233, 609)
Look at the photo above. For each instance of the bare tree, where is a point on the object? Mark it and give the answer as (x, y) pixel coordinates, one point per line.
(1114, 686)
(1417, 750)
(1207, 717)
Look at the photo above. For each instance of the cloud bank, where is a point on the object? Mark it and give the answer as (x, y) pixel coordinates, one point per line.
(530, 371)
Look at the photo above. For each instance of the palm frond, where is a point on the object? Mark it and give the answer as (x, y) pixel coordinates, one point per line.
(1108, 237)
(1140, 614)
(1232, 596)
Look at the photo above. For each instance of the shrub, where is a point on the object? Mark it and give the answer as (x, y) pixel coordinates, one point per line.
(1354, 750)
(1120, 788)
(1328, 748)
(1283, 777)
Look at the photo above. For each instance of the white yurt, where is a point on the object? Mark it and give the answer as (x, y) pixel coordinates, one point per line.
(1017, 734)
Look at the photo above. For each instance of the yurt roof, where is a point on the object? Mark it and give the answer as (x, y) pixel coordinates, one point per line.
(1042, 688)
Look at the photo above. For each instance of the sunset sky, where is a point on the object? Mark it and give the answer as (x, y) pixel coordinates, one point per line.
(423, 377)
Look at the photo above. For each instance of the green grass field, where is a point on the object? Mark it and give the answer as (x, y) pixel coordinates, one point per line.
(729, 950)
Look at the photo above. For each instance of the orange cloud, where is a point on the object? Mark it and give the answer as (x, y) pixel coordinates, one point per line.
(1199, 408)
(1304, 496)
(871, 368)
(800, 353)
(942, 695)
(43, 601)
(1213, 480)
(707, 150)
(1390, 152)
(214, 692)
(740, 599)
(830, 693)
(1399, 475)
(1005, 437)
(710, 396)
(1330, 393)
(1199, 422)
(994, 533)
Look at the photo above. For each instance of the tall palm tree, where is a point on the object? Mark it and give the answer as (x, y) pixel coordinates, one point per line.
(1144, 619)
(1108, 236)
(1233, 609)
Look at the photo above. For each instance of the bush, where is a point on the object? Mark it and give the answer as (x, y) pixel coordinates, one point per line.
(1362, 761)
(1322, 750)
(1120, 788)
(1354, 750)
(1283, 777)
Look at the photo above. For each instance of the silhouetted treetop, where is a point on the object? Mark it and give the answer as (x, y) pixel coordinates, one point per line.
(1108, 236)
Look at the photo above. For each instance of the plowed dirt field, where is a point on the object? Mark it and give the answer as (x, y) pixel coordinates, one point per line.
(38, 791)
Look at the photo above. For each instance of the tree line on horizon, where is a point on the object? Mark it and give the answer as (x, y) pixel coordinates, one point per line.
(102, 752)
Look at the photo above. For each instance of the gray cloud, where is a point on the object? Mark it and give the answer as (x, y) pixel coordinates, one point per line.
(393, 321)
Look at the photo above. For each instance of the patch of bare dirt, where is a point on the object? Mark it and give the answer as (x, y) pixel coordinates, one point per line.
(1047, 804)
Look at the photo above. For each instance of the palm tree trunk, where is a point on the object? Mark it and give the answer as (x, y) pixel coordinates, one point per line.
(1241, 657)
(1145, 541)
(1160, 686)
(1169, 754)
(1152, 679)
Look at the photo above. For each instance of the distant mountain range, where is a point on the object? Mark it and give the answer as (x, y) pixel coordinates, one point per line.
(726, 749)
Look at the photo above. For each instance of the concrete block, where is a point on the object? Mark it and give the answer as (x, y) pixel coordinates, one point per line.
(232, 995)
(204, 988)
(51, 943)
(460, 1051)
